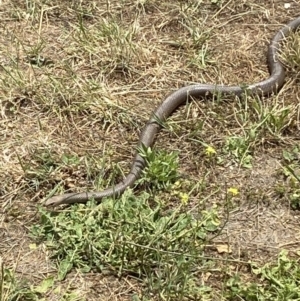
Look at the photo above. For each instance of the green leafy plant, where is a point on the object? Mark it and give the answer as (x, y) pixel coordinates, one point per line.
(130, 237)
(239, 147)
(277, 282)
(291, 172)
(161, 167)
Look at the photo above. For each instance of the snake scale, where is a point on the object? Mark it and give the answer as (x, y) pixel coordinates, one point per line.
(270, 85)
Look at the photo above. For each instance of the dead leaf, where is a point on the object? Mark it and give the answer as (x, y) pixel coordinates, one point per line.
(223, 249)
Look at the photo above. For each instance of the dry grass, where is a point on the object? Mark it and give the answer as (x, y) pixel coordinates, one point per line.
(78, 82)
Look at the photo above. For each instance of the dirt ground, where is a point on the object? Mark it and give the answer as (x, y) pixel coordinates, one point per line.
(48, 109)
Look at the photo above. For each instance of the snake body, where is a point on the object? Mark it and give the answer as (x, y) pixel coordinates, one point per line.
(178, 98)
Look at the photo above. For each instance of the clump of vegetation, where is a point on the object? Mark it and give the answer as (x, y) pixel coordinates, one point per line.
(276, 282)
(132, 236)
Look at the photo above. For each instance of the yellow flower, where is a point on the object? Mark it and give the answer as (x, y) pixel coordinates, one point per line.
(233, 191)
(184, 198)
(210, 151)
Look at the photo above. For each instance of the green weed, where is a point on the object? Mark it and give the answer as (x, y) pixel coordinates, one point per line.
(291, 172)
(277, 282)
(161, 168)
(132, 236)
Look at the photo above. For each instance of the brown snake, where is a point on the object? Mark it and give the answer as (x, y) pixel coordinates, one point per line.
(178, 98)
